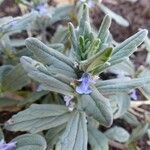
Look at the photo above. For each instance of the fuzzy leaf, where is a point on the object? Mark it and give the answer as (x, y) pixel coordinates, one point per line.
(97, 106)
(75, 135)
(138, 132)
(97, 139)
(104, 29)
(38, 118)
(49, 56)
(122, 101)
(118, 134)
(121, 85)
(119, 19)
(15, 79)
(53, 135)
(127, 47)
(1, 134)
(30, 141)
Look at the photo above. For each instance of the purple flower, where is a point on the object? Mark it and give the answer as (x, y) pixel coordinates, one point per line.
(69, 103)
(8, 146)
(84, 87)
(133, 94)
(90, 3)
(41, 8)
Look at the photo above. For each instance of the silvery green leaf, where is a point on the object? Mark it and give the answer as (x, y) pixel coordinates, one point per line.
(144, 74)
(95, 62)
(57, 46)
(83, 20)
(131, 119)
(49, 56)
(148, 133)
(75, 136)
(51, 81)
(30, 142)
(121, 85)
(118, 134)
(53, 135)
(18, 24)
(104, 29)
(119, 19)
(60, 35)
(138, 132)
(38, 118)
(125, 68)
(122, 101)
(4, 70)
(7, 102)
(32, 98)
(61, 13)
(15, 79)
(97, 106)
(127, 47)
(97, 140)
(1, 134)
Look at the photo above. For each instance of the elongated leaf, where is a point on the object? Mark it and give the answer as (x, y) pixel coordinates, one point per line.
(48, 55)
(119, 19)
(122, 101)
(7, 102)
(15, 79)
(138, 132)
(118, 134)
(49, 80)
(131, 119)
(98, 106)
(75, 135)
(104, 29)
(38, 118)
(30, 141)
(53, 135)
(121, 85)
(129, 46)
(1, 134)
(32, 98)
(97, 139)
(18, 23)
(96, 61)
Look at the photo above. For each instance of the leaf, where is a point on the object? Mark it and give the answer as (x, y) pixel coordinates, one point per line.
(1, 134)
(97, 139)
(15, 79)
(30, 141)
(48, 55)
(122, 101)
(75, 135)
(118, 134)
(18, 23)
(49, 80)
(38, 118)
(104, 29)
(53, 135)
(97, 106)
(131, 119)
(7, 102)
(138, 132)
(96, 61)
(32, 98)
(127, 47)
(121, 85)
(119, 19)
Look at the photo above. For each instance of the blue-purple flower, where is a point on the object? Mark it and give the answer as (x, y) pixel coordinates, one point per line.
(84, 87)
(69, 103)
(7, 146)
(41, 8)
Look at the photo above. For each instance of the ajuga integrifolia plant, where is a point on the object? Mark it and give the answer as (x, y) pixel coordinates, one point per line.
(86, 101)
